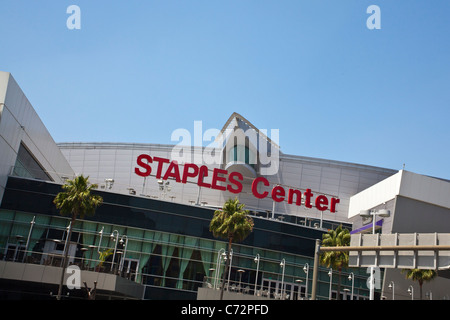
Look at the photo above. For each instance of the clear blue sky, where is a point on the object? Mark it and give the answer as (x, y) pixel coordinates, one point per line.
(138, 70)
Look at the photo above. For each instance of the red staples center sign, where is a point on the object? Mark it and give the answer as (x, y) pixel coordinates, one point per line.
(229, 181)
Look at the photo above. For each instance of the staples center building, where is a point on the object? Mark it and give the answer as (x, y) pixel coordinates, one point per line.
(158, 203)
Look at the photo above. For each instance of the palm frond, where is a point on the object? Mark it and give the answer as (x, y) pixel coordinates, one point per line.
(77, 199)
(338, 237)
(231, 222)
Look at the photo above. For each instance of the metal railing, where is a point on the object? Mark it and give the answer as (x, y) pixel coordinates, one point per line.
(281, 291)
(20, 255)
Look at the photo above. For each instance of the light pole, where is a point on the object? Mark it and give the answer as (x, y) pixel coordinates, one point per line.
(64, 259)
(257, 258)
(352, 277)
(306, 270)
(29, 236)
(115, 247)
(100, 241)
(229, 268)
(124, 251)
(240, 279)
(220, 255)
(67, 244)
(372, 213)
(411, 292)
(109, 183)
(164, 188)
(330, 274)
(299, 296)
(283, 265)
(392, 286)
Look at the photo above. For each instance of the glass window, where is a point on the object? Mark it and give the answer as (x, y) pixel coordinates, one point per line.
(242, 154)
(130, 268)
(194, 273)
(27, 166)
(14, 252)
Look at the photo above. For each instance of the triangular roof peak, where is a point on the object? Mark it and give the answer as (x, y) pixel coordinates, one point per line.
(237, 118)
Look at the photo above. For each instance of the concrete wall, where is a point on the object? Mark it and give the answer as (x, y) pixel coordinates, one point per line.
(412, 215)
(406, 184)
(52, 275)
(19, 122)
(438, 286)
(418, 204)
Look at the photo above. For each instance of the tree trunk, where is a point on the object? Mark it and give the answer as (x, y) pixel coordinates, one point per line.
(66, 252)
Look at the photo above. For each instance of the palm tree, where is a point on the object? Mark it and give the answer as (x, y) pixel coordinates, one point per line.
(76, 200)
(102, 258)
(232, 223)
(336, 259)
(420, 275)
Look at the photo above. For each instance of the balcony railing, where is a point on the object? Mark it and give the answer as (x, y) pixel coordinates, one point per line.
(275, 291)
(18, 254)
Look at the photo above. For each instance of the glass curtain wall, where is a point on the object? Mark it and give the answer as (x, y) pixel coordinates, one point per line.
(158, 259)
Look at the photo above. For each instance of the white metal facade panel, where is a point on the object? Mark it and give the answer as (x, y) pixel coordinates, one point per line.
(117, 161)
(19, 122)
(375, 195)
(404, 183)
